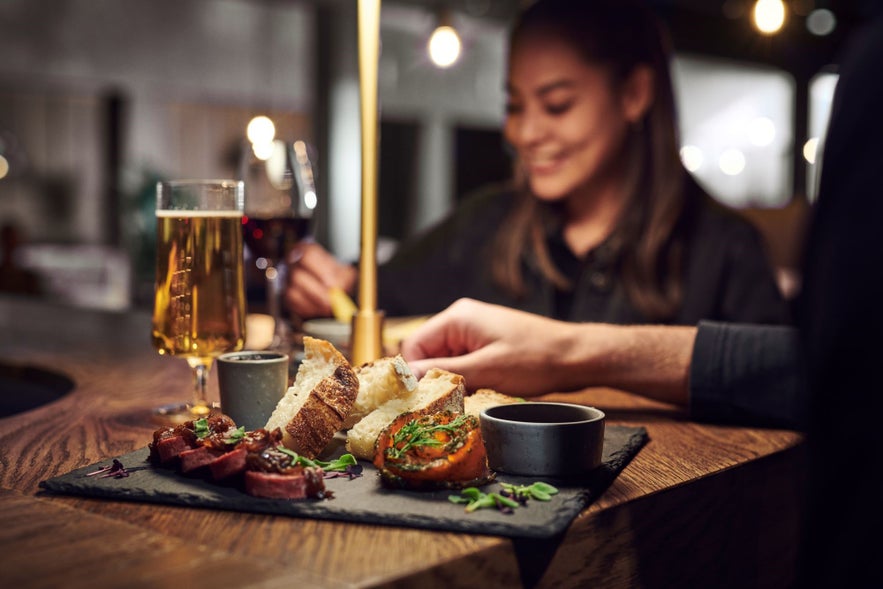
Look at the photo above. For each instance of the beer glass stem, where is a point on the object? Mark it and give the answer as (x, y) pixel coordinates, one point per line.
(200, 386)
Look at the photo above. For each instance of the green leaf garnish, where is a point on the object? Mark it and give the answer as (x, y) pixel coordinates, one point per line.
(507, 500)
(336, 465)
(236, 436)
(414, 434)
(200, 428)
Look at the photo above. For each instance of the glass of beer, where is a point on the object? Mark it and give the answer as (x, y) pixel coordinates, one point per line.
(199, 301)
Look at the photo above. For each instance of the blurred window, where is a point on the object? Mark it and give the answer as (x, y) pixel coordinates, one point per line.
(821, 94)
(736, 129)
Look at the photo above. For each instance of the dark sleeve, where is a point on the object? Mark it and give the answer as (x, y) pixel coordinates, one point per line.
(747, 375)
(448, 261)
(840, 317)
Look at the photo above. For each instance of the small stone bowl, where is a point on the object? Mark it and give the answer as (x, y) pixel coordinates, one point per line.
(548, 439)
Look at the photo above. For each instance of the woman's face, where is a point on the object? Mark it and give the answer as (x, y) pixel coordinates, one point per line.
(563, 119)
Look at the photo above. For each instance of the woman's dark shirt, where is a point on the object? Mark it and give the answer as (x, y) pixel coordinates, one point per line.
(727, 273)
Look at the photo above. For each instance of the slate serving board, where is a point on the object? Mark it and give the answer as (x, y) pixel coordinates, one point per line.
(363, 499)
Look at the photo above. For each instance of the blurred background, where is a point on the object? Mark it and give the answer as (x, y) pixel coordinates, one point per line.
(99, 99)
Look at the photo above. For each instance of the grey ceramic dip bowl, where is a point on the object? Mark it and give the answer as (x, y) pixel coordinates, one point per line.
(551, 439)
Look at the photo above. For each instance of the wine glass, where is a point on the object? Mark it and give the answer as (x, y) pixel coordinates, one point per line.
(199, 302)
(279, 215)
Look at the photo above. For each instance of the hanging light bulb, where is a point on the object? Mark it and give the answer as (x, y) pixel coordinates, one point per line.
(261, 131)
(444, 44)
(769, 16)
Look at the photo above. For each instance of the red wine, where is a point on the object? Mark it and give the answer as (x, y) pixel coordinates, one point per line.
(273, 238)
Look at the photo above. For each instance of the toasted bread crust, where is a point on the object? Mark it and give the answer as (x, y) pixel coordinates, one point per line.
(310, 430)
(316, 405)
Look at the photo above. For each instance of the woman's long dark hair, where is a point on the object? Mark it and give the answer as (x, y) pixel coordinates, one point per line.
(618, 35)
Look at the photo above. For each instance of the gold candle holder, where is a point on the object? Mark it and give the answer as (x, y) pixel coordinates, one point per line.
(367, 344)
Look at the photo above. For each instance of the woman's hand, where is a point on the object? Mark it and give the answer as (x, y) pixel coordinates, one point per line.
(312, 272)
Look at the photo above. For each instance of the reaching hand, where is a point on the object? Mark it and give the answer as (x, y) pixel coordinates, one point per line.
(312, 272)
(518, 353)
(492, 346)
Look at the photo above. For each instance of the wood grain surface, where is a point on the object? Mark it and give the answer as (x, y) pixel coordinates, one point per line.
(701, 505)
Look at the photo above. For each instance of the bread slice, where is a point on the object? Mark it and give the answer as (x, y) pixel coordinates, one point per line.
(316, 405)
(481, 399)
(380, 381)
(438, 390)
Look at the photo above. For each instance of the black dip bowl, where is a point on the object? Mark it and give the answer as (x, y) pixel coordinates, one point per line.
(551, 439)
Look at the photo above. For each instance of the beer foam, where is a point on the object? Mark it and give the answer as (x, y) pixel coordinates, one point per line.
(214, 214)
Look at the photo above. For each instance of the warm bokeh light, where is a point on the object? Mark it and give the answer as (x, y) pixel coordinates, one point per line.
(277, 166)
(761, 131)
(310, 199)
(261, 130)
(444, 46)
(4, 167)
(263, 151)
(769, 16)
(692, 157)
(732, 162)
(810, 149)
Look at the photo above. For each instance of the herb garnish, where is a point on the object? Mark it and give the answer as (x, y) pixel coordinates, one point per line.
(346, 465)
(507, 500)
(115, 470)
(200, 428)
(521, 493)
(414, 434)
(235, 436)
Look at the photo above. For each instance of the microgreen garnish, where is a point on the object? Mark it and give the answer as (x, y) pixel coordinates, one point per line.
(506, 500)
(200, 428)
(414, 434)
(235, 436)
(521, 493)
(346, 465)
(115, 470)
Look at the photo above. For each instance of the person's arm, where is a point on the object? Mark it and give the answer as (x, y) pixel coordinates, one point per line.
(524, 354)
(748, 375)
(725, 373)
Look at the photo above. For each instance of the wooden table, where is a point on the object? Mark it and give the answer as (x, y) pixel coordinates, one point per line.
(700, 505)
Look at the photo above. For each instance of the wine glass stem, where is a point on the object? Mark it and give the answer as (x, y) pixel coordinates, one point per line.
(200, 386)
(273, 297)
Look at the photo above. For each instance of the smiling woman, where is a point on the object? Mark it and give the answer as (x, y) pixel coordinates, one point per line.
(601, 221)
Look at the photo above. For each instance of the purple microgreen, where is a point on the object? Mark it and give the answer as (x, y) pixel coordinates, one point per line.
(351, 472)
(115, 470)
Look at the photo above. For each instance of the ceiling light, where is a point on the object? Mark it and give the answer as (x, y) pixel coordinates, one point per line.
(692, 157)
(761, 131)
(260, 130)
(444, 44)
(769, 16)
(811, 149)
(732, 162)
